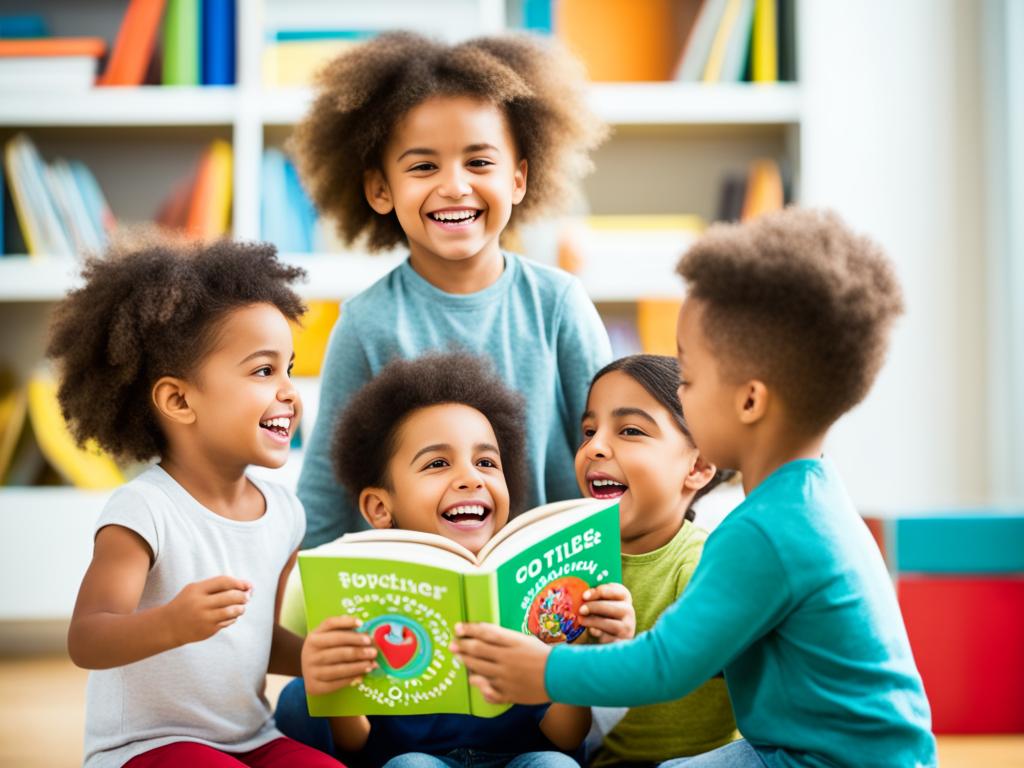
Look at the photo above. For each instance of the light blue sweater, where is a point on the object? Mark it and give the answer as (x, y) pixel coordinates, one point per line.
(793, 601)
(535, 323)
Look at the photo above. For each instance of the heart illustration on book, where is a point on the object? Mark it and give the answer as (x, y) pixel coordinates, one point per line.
(397, 643)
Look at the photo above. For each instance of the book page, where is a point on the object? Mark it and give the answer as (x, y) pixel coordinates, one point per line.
(353, 545)
(530, 518)
(536, 525)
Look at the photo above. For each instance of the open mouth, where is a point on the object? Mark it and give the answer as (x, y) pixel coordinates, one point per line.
(606, 489)
(279, 426)
(467, 515)
(453, 219)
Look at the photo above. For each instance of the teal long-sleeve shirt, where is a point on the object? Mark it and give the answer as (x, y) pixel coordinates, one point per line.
(535, 323)
(792, 600)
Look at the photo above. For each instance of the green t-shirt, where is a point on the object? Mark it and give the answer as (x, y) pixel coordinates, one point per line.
(696, 723)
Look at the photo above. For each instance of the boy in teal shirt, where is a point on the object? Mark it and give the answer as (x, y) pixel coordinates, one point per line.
(783, 330)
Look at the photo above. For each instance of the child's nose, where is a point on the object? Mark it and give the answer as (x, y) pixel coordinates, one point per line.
(469, 479)
(454, 184)
(597, 449)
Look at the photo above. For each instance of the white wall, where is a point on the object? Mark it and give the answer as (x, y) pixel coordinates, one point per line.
(892, 139)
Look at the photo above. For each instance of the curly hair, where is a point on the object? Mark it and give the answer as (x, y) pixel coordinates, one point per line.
(659, 376)
(363, 94)
(147, 310)
(366, 433)
(800, 301)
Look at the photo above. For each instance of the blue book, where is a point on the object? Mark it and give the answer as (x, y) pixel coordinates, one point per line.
(283, 217)
(20, 27)
(537, 16)
(299, 35)
(218, 38)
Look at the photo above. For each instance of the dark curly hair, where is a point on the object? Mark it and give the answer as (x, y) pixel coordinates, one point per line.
(800, 301)
(365, 434)
(659, 375)
(363, 93)
(150, 309)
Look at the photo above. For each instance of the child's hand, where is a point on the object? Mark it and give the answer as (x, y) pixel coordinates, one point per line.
(506, 666)
(608, 614)
(334, 655)
(203, 608)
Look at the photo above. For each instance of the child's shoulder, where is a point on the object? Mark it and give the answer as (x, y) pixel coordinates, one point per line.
(546, 277)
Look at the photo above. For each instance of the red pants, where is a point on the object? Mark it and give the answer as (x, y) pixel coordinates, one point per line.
(280, 752)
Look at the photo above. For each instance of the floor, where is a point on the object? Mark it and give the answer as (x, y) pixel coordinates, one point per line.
(41, 720)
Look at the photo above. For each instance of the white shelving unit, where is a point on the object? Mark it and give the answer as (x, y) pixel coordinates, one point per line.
(672, 142)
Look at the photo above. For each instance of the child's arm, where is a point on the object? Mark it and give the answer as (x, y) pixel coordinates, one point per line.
(565, 725)
(329, 510)
(285, 646)
(608, 613)
(106, 628)
(334, 656)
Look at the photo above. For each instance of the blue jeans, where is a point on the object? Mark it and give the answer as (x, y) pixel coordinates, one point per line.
(739, 754)
(471, 758)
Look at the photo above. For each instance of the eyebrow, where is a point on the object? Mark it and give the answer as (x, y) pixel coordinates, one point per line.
(265, 353)
(620, 413)
(432, 152)
(478, 448)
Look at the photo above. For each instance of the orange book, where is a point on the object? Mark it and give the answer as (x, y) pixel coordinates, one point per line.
(209, 214)
(764, 189)
(134, 45)
(656, 321)
(620, 40)
(54, 46)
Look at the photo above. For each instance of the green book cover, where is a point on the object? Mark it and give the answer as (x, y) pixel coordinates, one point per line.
(181, 45)
(410, 589)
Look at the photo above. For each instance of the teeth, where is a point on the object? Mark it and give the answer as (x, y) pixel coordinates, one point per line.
(281, 422)
(454, 215)
(476, 510)
(602, 483)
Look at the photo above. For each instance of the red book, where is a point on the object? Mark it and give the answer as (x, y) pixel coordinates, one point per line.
(134, 45)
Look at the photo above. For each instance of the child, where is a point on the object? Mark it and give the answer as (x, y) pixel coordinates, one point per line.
(783, 330)
(436, 445)
(637, 448)
(183, 353)
(416, 143)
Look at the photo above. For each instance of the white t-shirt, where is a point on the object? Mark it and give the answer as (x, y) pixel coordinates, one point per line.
(212, 691)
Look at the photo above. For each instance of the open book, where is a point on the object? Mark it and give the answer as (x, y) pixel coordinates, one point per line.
(410, 589)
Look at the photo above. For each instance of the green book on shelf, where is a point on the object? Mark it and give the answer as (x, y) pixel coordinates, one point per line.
(181, 43)
(409, 589)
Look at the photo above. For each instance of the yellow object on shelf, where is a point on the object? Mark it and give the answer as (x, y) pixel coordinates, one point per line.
(765, 192)
(294, 64)
(84, 467)
(764, 43)
(311, 336)
(656, 325)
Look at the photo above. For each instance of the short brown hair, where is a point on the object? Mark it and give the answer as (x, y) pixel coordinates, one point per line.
(799, 300)
(366, 432)
(149, 310)
(363, 94)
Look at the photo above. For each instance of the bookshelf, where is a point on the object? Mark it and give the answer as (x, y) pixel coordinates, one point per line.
(672, 144)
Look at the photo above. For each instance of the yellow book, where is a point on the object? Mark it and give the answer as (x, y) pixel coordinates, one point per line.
(13, 411)
(209, 211)
(764, 43)
(765, 192)
(656, 321)
(294, 63)
(713, 69)
(311, 335)
(84, 467)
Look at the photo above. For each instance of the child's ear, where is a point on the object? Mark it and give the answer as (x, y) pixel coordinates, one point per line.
(700, 474)
(375, 506)
(519, 183)
(751, 401)
(377, 191)
(169, 395)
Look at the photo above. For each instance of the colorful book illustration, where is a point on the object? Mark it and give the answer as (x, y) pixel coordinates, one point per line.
(181, 43)
(218, 42)
(133, 47)
(409, 589)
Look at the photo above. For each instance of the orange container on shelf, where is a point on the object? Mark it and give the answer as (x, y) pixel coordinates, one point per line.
(621, 40)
